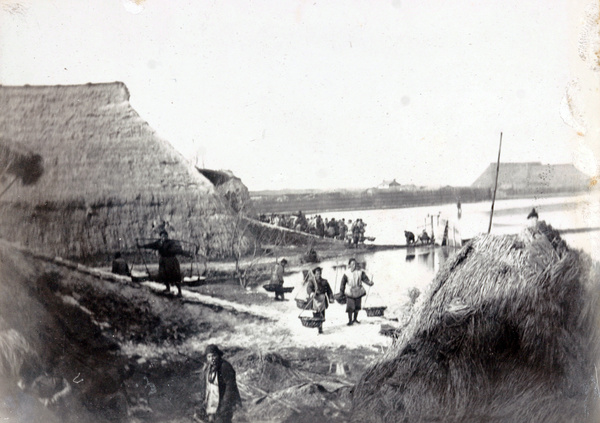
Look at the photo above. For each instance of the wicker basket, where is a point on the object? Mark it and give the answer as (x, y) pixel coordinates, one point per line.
(273, 287)
(311, 322)
(301, 303)
(340, 298)
(374, 311)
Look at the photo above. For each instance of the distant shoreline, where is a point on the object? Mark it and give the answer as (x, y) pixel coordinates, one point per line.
(324, 202)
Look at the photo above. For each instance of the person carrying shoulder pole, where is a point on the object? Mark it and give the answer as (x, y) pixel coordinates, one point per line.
(277, 279)
(320, 292)
(169, 270)
(351, 286)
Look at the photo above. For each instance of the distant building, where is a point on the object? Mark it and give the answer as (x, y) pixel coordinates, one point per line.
(389, 184)
(533, 176)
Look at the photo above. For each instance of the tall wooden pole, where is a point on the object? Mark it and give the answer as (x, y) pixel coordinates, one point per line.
(496, 184)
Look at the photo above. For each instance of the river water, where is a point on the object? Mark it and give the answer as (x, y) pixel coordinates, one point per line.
(395, 272)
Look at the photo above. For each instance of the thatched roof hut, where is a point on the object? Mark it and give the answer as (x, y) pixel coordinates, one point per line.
(508, 332)
(231, 188)
(108, 177)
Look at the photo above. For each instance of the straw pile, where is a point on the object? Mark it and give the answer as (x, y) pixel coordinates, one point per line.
(274, 391)
(107, 176)
(508, 332)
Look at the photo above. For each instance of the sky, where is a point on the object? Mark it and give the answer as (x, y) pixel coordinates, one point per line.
(332, 94)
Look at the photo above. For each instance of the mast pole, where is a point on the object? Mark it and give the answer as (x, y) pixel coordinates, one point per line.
(496, 184)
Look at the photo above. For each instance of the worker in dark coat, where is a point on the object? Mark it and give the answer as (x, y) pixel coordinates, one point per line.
(320, 292)
(169, 270)
(119, 265)
(221, 395)
(277, 279)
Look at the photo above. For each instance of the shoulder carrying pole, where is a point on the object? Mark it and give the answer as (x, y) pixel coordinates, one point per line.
(142, 256)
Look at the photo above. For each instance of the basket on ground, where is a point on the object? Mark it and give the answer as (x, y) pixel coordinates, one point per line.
(311, 322)
(194, 280)
(273, 287)
(139, 276)
(374, 311)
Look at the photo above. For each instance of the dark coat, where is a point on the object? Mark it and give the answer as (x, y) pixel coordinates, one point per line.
(321, 287)
(229, 394)
(120, 267)
(167, 248)
(168, 265)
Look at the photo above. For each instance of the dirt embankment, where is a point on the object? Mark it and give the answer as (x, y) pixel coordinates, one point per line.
(129, 353)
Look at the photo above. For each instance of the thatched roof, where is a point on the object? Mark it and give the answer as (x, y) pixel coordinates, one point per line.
(508, 332)
(529, 175)
(231, 188)
(93, 142)
(108, 178)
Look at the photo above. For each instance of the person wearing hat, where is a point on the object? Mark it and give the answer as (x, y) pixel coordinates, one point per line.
(221, 392)
(532, 217)
(351, 286)
(169, 270)
(277, 279)
(320, 293)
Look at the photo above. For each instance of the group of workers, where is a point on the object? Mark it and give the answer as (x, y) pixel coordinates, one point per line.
(320, 294)
(221, 392)
(349, 231)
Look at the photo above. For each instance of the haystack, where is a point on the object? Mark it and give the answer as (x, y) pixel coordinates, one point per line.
(508, 332)
(107, 176)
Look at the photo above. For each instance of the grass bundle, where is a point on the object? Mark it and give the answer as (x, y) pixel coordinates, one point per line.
(508, 331)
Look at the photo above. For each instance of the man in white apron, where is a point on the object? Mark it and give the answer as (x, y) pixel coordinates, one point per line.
(222, 395)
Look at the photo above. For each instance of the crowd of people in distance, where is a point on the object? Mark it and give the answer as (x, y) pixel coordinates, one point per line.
(348, 231)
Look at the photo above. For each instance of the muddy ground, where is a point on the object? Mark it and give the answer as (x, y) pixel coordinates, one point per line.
(132, 353)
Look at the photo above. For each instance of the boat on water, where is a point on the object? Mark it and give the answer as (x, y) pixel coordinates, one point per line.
(438, 231)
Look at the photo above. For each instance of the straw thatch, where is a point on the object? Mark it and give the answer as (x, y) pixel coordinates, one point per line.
(508, 332)
(108, 178)
(231, 188)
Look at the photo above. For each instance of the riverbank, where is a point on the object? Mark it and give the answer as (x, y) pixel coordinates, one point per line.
(150, 345)
(260, 264)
